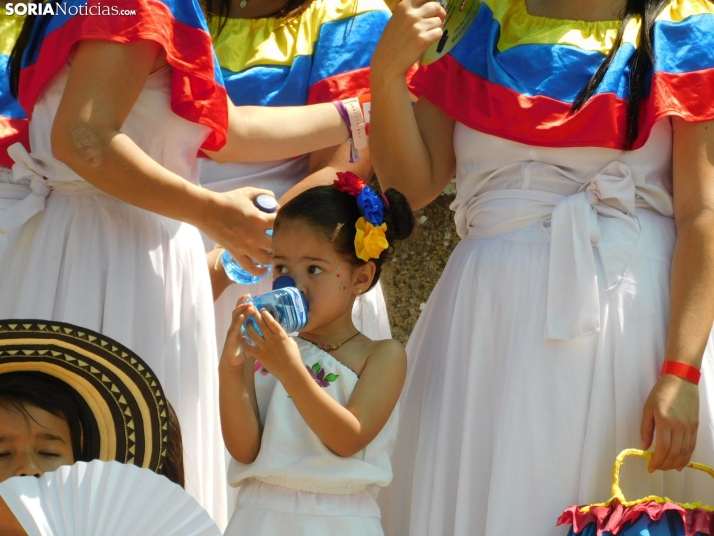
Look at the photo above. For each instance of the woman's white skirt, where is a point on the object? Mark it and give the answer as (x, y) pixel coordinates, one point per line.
(502, 429)
(92, 260)
(268, 510)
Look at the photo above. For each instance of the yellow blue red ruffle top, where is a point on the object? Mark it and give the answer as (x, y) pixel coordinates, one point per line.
(13, 119)
(516, 75)
(321, 55)
(179, 26)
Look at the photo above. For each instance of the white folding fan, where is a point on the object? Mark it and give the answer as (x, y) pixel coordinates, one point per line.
(104, 499)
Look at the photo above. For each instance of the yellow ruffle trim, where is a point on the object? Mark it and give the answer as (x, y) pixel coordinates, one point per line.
(246, 43)
(652, 498)
(10, 26)
(519, 27)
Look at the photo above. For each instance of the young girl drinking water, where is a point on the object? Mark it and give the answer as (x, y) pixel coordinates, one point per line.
(310, 421)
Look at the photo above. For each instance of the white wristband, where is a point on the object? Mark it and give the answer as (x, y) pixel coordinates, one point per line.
(357, 124)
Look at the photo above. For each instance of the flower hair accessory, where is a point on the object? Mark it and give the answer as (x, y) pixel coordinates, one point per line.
(370, 238)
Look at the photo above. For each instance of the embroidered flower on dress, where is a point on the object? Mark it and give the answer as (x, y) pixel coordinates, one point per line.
(259, 367)
(319, 375)
(349, 182)
(370, 241)
(371, 206)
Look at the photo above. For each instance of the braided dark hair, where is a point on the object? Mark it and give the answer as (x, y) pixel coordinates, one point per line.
(640, 67)
(334, 214)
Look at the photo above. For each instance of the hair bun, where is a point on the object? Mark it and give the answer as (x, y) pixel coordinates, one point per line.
(399, 216)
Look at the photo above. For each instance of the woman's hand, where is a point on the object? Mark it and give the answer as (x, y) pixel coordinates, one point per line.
(672, 413)
(415, 24)
(275, 350)
(234, 222)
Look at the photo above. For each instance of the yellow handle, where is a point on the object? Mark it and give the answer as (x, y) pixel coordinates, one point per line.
(617, 490)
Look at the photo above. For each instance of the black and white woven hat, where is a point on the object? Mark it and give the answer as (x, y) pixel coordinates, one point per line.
(122, 393)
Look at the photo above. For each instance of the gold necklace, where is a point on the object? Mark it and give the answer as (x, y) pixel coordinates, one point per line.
(330, 347)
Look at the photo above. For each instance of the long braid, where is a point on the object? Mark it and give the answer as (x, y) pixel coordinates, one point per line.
(640, 67)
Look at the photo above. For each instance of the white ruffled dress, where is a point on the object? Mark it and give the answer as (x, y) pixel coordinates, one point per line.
(532, 361)
(297, 486)
(87, 258)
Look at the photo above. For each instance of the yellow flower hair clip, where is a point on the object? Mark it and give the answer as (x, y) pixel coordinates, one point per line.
(370, 240)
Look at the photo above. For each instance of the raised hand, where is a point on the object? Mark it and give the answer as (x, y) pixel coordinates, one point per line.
(415, 24)
(276, 350)
(232, 356)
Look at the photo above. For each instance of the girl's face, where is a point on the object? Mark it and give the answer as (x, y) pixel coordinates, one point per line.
(34, 443)
(328, 282)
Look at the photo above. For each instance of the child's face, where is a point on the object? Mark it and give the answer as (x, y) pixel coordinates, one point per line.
(35, 445)
(328, 282)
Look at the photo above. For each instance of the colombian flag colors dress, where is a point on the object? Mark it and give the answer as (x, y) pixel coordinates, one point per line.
(81, 256)
(532, 361)
(13, 119)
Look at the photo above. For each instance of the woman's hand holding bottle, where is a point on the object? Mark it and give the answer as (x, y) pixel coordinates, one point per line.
(232, 220)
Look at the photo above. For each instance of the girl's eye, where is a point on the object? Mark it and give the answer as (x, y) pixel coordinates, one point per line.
(4, 454)
(279, 269)
(314, 270)
(50, 454)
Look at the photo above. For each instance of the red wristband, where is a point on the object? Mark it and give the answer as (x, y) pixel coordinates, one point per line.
(682, 370)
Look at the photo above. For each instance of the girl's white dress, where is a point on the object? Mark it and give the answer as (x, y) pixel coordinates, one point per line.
(532, 361)
(297, 486)
(87, 258)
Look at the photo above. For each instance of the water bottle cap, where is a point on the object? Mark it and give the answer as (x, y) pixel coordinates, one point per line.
(286, 281)
(283, 281)
(266, 203)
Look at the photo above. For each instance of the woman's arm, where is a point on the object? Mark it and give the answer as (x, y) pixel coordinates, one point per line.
(324, 165)
(345, 430)
(86, 136)
(672, 409)
(257, 134)
(412, 150)
(240, 421)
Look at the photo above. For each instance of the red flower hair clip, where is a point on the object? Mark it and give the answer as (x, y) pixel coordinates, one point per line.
(349, 182)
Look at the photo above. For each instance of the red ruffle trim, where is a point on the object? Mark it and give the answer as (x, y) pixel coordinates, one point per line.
(546, 122)
(12, 131)
(196, 95)
(613, 519)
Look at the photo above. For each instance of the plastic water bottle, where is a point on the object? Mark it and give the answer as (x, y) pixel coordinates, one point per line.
(286, 305)
(235, 271)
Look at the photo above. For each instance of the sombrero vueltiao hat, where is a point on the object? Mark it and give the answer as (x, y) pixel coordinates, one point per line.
(122, 393)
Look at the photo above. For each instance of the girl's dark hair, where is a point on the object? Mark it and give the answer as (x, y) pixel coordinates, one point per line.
(640, 66)
(56, 397)
(334, 214)
(220, 8)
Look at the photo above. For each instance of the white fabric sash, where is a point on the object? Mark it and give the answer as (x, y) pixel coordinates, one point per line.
(601, 214)
(30, 189)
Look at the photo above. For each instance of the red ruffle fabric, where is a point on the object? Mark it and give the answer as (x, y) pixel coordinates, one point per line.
(613, 519)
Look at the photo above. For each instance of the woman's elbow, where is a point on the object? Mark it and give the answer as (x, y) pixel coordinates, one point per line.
(76, 144)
